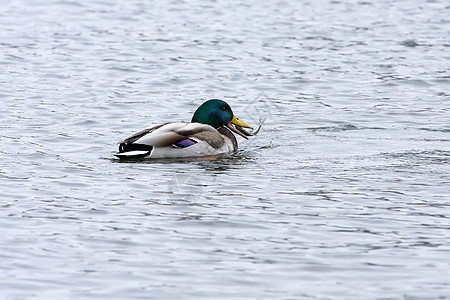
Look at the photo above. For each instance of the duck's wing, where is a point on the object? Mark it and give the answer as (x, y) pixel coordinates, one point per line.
(141, 143)
(133, 138)
(171, 133)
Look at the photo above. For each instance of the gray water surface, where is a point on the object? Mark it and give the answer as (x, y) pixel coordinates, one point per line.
(344, 194)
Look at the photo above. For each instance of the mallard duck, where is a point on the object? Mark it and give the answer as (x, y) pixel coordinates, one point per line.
(208, 133)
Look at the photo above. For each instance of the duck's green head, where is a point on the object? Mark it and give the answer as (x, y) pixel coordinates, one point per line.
(218, 113)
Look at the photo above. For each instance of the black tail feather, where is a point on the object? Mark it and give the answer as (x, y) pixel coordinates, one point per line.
(126, 147)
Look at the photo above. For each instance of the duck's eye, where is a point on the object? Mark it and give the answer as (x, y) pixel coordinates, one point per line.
(224, 108)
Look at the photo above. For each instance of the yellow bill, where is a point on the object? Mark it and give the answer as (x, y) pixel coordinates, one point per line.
(238, 125)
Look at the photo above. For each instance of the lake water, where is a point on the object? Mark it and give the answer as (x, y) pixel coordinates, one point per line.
(344, 194)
